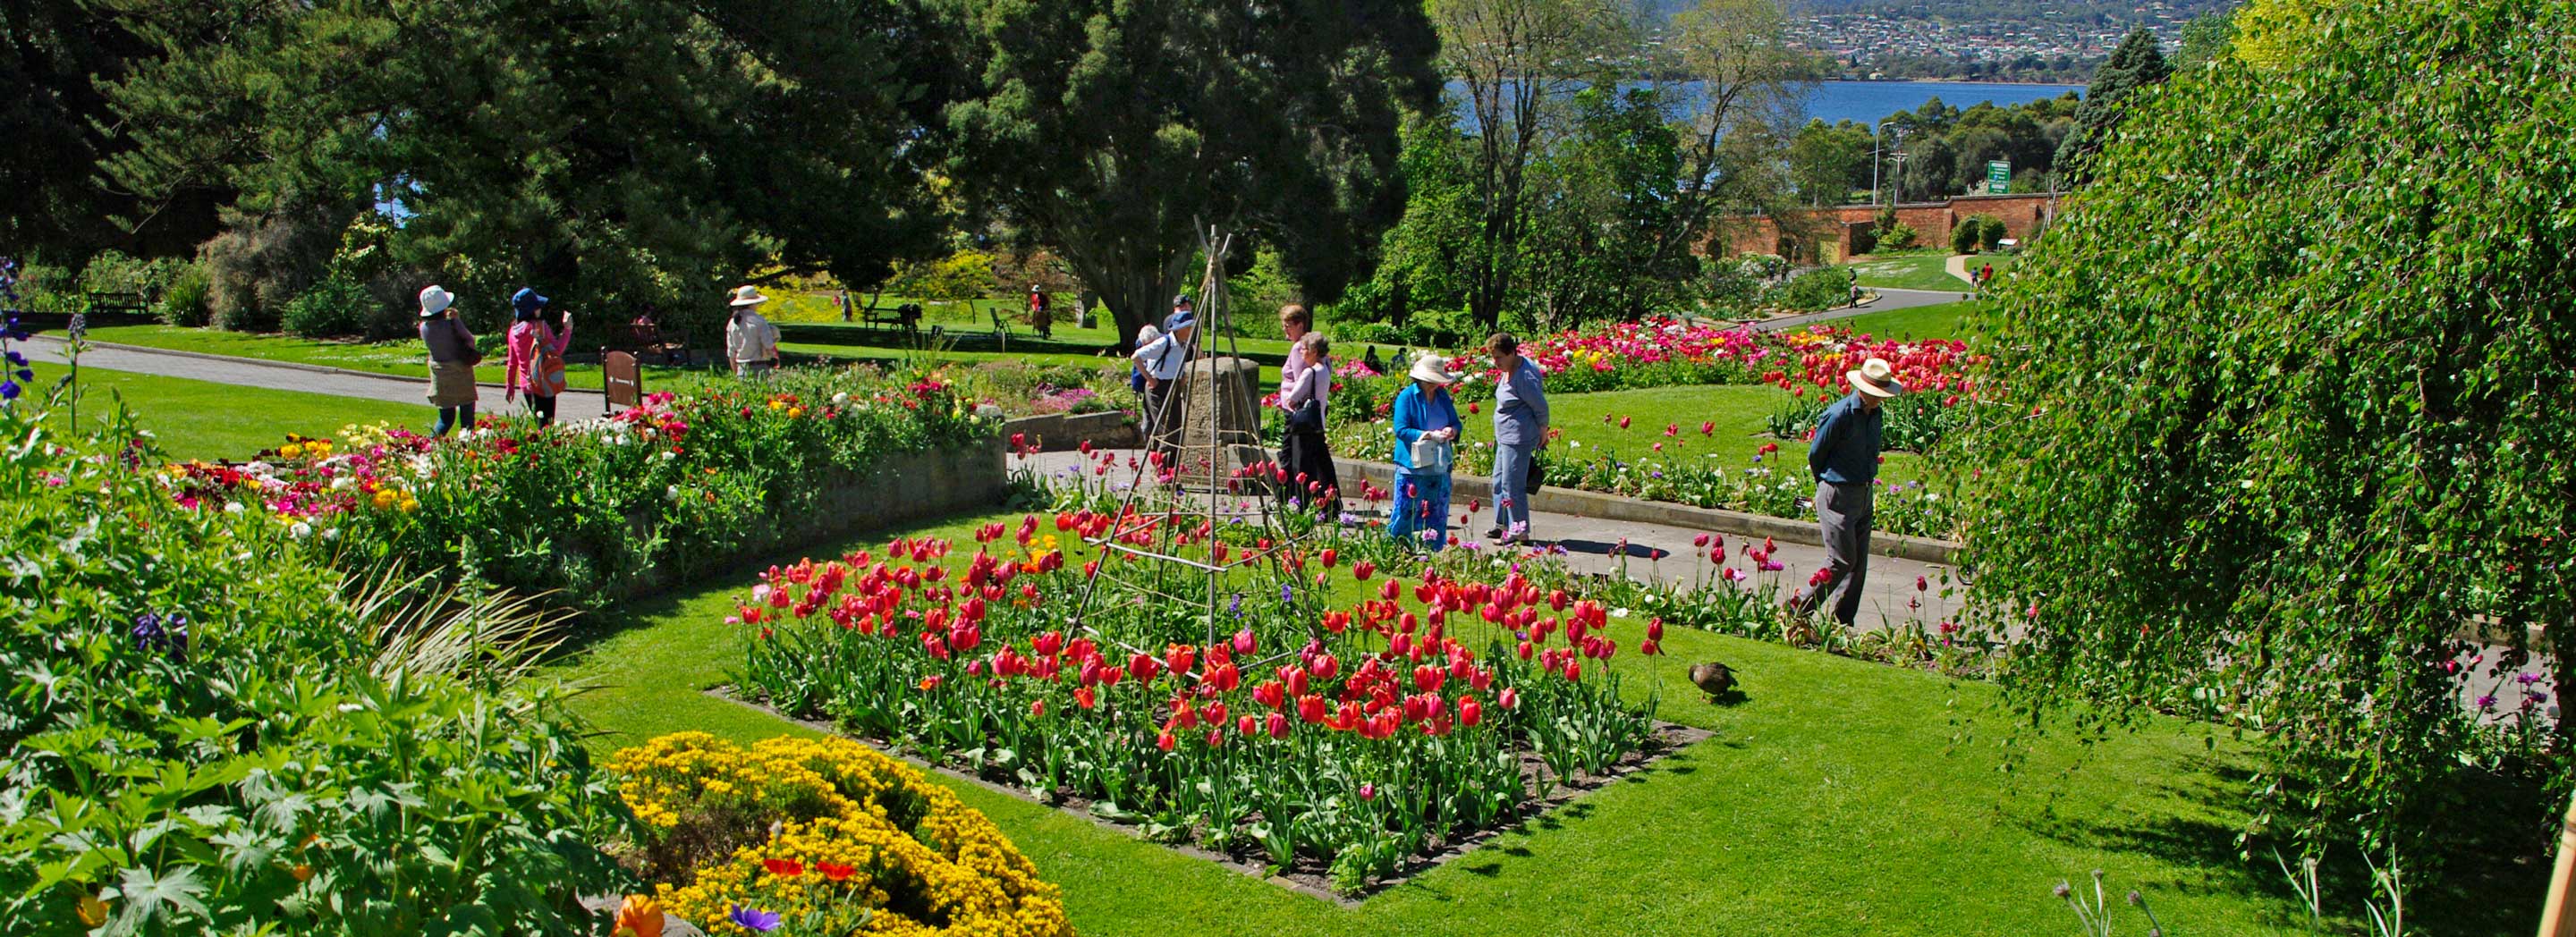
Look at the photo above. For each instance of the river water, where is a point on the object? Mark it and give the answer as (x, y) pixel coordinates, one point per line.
(1862, 102)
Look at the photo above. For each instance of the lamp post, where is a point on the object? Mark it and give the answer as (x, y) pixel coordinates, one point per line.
(1875, 133)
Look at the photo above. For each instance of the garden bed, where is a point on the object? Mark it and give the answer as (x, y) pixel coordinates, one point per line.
(1310, 878)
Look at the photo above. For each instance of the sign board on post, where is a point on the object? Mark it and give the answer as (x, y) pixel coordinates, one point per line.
(1998, 177)
(623, 379)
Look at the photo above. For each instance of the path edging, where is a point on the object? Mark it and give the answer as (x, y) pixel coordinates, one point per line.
(290, 365)
(1639, 510)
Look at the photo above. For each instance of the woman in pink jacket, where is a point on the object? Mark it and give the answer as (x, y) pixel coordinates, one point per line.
(535, 364)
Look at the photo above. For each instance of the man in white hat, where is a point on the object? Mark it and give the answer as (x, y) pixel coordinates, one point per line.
(1844, 459)
(751, 343)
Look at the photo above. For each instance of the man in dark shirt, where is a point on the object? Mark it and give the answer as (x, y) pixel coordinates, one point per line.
(1844, 459)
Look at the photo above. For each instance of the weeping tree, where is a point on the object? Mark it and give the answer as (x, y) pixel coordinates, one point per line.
(1110, 130)
(2292, 449)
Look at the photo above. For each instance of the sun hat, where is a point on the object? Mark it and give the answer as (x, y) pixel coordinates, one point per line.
(526, 300)
(746, 295)
(434, 300)
(1178, 321)
(1432, 369)
(1182, 300)
(1876, 378)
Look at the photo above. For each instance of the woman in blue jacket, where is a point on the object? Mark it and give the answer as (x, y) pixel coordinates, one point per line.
(1426, 433)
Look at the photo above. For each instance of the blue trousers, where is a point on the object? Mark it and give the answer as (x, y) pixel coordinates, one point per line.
(1421, 508)
(1511, 489)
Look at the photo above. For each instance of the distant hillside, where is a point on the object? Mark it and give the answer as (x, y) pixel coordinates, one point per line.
(2097, 12)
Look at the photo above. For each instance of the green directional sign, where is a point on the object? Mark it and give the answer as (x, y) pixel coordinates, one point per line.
(1998, 177)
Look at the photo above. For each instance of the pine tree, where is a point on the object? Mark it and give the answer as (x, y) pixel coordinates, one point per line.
(2138, 63)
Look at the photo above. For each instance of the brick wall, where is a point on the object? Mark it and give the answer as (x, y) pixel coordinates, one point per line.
(1841, 231)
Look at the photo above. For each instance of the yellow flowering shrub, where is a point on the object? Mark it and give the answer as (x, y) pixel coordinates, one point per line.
(829, 835)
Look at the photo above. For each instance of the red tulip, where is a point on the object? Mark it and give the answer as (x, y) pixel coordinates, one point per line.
(1165, 741)
(1362, 570)
(783, 868)
(1277, 724)
(1330, 556)
(1511, 698)
(1470, 712)
(1623, 422)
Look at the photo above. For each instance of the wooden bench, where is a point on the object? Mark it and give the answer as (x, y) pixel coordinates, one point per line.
(645, 340)
(132, 303)
(1001, 328)
(906, 317)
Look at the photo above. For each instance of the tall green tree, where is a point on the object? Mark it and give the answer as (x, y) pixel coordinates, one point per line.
(2289, 447)
(1826, 162)
(58, 59)
(2138, 63)
(1114, 128)
(1516, 59)
(610, 152)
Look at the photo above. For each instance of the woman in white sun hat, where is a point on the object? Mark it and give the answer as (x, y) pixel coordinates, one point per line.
(1844, 459)
(451, 360)
(1426, 432)
(751, 343)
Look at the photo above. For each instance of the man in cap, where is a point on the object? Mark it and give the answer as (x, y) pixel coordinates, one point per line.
(1844, 459)
(1161, 361)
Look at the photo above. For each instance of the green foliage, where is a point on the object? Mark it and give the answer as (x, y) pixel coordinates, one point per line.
(2295, 417)
(1598, 242)
(335, 307)
(207, 745)
(1813, 291)
(262, 261)
(1827, 162)
(1948, 148)
(183, 302)
(1897, 236)
(613, 153)
(2205, 39)
(962, 275)
(2138, 63)
(1977, 232)
(1121, 131)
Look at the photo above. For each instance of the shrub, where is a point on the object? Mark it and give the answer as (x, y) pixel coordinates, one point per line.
(184, 302)
(1897, 236)
(1991, 232)
(218, 746)
(858, 836)
(335, 307)
(1812, 291)
(260, 262)
(1964, 235)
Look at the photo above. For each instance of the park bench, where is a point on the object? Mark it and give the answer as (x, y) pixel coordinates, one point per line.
(1001, 328)
(906, 317)
(107, 301)
(645, 340)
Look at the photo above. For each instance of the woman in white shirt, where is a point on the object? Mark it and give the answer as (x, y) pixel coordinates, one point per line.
(751, 343)
(1306, 455)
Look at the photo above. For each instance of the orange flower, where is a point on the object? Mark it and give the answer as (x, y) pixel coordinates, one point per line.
(639, 916)
(783, 868)
(835, 872)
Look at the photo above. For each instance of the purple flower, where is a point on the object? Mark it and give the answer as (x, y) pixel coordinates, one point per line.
(753, 919)
(2526, 679)
(2487, 701)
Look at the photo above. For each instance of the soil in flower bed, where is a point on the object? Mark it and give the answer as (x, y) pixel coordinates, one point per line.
(1311, 876)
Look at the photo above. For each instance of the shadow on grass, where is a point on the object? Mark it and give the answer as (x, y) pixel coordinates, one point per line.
(1598, 548)
(887, 342)
(2479, 871)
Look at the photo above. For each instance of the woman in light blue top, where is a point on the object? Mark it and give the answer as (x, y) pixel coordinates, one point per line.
(1520, 431)
(1426, 427)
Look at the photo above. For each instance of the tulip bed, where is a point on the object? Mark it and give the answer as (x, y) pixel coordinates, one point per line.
(1331, 736)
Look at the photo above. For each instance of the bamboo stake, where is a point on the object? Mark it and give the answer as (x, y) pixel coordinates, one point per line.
(2558, 918)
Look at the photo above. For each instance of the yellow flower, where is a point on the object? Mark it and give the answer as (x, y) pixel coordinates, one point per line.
(410, 504)
(778, 405)
(291, 451)
(93, 912)
(794, 412)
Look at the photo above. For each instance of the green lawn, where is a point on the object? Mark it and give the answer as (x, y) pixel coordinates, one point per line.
(1840, 798)
(202, 420)
(1945, 320)
(1920, 269)
(1739, 410)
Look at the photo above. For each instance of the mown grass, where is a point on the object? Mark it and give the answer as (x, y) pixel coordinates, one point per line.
(202, 420)
(401, 357)
(1920, 269)
(1943, 320)
(1839, 797)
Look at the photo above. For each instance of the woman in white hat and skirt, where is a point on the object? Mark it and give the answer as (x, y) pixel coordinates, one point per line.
(451, 360)
(1426, 433)
(751, 343)
(1844, 459)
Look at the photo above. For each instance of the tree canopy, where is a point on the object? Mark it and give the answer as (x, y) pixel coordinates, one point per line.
(2139, 62)
(1112, 129)
(605, 151)
(2288, 384)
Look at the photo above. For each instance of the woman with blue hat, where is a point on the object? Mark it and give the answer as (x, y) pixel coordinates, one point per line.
(535, 365)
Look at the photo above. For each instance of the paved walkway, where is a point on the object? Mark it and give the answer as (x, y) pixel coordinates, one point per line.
(253, 372)
(1657, 552)
(1887, 299)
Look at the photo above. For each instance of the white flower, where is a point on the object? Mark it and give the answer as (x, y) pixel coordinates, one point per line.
(232, 507)
(1618, 613)
(344, 483)
(668, 455)
(841, 398)
(300, 530)
(760, 592)
(330, 533)
(673, 492)
(2247, 484)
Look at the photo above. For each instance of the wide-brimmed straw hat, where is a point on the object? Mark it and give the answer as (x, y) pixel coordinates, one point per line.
(435, 300)
(1432, 369)
(748, 296)
(1876, 378)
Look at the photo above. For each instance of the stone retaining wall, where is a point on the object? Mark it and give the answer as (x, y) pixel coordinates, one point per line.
(1065, 432)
